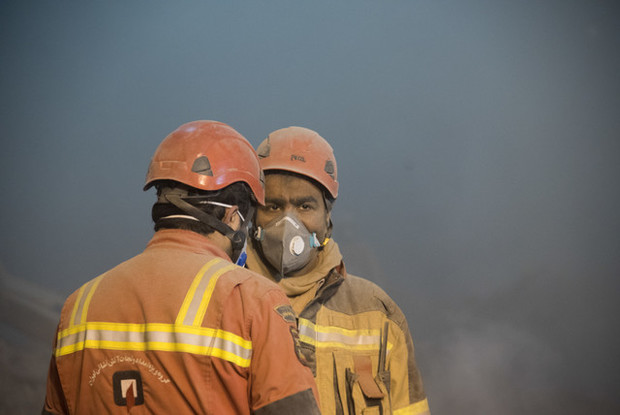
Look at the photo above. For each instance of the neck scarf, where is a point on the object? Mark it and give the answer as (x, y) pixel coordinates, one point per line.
(301, 288)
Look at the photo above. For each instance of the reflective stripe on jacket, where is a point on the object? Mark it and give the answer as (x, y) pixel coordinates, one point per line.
(178, 329)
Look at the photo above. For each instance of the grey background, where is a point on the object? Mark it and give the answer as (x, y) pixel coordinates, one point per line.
(477, 142)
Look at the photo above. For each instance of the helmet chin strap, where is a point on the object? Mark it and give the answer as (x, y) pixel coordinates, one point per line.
(237, 238)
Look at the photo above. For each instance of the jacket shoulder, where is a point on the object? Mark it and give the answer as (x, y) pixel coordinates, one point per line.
(357, 295)
(250, 280)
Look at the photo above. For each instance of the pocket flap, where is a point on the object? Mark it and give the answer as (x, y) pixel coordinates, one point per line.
(363, 368)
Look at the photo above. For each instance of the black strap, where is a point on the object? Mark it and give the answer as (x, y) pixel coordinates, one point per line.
(237, 238)
(205, 218)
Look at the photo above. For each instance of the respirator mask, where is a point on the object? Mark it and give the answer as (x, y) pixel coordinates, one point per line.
(286, 244)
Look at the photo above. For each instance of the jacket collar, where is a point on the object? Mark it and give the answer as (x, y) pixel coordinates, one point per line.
(185, 240)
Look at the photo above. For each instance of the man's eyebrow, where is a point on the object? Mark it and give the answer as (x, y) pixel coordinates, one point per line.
(296, 201)
(305, 199)
(275, 200)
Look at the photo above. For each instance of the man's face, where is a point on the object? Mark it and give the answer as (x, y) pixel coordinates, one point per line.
(285, 194)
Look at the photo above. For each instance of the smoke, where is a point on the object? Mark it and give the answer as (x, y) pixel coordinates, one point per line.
(533, 347)
(28, 318)
(477, 147)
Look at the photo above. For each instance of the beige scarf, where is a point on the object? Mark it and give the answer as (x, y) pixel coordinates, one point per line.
(302, 288)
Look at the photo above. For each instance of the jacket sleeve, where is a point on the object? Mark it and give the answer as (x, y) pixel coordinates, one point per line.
(55, 402)
(406, 389)
(280, 382)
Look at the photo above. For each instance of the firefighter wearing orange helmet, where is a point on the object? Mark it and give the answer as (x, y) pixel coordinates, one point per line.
(180, 328)
(353, 335)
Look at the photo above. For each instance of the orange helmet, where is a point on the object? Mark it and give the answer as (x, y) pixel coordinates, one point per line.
(207, 155)
(303, 151)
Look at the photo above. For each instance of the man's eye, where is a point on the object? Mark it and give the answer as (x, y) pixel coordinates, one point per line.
(305, 206)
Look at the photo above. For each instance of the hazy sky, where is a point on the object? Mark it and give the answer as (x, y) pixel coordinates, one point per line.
(478, 146)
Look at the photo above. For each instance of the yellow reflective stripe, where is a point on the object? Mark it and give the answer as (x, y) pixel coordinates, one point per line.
(206, 298)
(76, 306)
(89, 297)
(192, 290)
(160, 337)
(338, 345)
(186, 335)
(337, 337)
(339, 330)
(418, 408)
(80, 308)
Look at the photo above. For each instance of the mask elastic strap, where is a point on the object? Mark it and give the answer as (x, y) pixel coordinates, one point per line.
(237, 238)
(226, 205)
(179, 217)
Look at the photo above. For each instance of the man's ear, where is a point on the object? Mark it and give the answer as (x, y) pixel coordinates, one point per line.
(330, 225)
(231, 217)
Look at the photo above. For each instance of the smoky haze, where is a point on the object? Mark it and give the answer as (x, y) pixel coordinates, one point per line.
(478, 148)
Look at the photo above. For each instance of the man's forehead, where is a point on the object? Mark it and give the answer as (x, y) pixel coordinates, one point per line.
(282, 181)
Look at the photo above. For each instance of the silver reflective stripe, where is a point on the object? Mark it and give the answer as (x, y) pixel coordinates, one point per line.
(335, 336)
(210, 342)
(186, 335)
(197, 293)
(352, 340)
(80, 308)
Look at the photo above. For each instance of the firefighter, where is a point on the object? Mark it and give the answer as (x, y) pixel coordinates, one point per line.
(180, 328)
(353, 335)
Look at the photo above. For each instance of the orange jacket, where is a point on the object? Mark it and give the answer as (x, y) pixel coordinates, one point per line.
(178, 329)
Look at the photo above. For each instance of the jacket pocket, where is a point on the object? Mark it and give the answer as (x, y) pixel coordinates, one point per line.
(360, 389)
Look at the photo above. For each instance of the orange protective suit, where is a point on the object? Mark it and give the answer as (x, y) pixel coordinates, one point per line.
(178, 329)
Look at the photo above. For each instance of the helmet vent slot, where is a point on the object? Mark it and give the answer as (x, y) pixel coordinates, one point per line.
(329, 168)
(202, 166)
